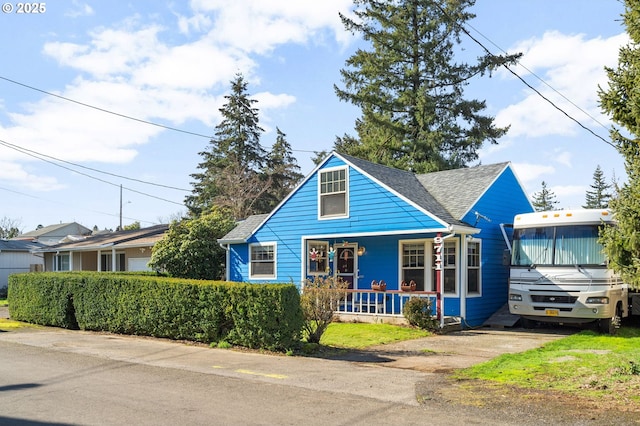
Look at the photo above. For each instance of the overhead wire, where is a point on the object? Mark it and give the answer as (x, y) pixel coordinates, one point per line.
(61, 203)
(468, 34)
(42, 157)
(56, 161)
(34, 153)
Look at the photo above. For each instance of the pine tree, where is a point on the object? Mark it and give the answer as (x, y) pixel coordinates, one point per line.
(281, 171)
(410, 86)
(544, 200)
(619, 101)
(230, 172)
(599, 196)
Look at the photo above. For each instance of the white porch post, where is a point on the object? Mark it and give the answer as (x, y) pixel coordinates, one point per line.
(113, 259)
(70, 260)
(99, 263)
(464, 275)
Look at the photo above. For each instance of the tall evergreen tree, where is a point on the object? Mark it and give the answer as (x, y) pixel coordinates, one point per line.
(544, 200)
(282, 172)
(620, 101)
(231, 167)
(410, 86)
(598, 197)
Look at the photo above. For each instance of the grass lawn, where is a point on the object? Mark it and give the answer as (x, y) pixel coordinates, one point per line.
(3, 302)
(361, 335)
(586, 364)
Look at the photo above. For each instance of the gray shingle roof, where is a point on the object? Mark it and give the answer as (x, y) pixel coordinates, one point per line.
(447, 195)
(406, 184)
(19, 245)
(245, 228)
(459, 189)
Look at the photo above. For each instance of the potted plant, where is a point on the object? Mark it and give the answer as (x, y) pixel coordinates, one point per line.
(408, 287)
(378, 286)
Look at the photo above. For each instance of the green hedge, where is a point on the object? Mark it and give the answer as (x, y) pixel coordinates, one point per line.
(250, 315)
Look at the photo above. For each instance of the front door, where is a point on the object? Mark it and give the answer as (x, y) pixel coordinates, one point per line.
(346, 264)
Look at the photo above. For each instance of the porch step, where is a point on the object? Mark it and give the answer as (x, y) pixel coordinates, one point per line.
(502, 318)
(452, 324)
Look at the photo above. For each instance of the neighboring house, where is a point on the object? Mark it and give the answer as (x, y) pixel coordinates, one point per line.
(53, 234)
(361, 221)
(114, 251)
(17, 257)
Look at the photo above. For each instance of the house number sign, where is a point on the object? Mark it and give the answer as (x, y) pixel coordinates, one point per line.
(437, 245)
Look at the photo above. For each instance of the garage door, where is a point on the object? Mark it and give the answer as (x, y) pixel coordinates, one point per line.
(138, 264)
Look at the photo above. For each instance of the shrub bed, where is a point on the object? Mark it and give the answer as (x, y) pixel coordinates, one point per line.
(250, 315)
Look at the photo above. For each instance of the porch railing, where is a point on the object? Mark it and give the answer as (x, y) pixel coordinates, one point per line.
(372, 302)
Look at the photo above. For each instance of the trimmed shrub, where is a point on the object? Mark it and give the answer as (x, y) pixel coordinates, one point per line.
(251, 315)
(418, 312)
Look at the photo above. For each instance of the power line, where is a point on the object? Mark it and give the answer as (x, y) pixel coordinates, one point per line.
(541, 79)
(35, 153)
(66, 204)
(464, 30)
(151, 123)
(40, 157)
(128, 117)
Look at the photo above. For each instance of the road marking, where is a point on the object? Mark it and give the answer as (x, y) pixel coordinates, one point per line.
(254, 373)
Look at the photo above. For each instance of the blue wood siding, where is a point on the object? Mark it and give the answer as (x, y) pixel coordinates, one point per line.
(371, 209)
(374, 212)
(500, 203)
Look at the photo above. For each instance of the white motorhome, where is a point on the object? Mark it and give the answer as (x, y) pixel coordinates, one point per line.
(559, 272)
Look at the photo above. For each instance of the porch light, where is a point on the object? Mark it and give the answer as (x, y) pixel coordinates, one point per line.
(361, 250)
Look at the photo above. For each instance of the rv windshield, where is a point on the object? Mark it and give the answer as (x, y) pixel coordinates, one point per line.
(557, 245)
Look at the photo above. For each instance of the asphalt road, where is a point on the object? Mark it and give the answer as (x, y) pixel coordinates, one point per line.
(55, 376)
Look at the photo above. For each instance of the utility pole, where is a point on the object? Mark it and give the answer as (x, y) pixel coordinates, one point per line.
(120, 207)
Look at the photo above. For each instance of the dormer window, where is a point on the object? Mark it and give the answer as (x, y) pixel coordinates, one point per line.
(333, 193)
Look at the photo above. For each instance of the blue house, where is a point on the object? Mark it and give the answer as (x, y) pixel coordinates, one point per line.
(363, 222)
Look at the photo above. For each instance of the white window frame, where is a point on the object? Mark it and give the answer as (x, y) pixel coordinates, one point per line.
(479, 267)
(427, 261)
(345, 192)
(324, 256)
(274, 247)
(57, 261)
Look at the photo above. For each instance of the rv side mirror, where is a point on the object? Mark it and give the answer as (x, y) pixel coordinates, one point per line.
(506, 257)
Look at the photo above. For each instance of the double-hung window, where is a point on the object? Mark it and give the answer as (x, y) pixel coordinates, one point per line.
(262, 261)
(473, 267)
(333, 193)
(413, 265)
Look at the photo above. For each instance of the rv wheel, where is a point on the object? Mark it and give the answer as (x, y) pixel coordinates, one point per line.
(611, 325)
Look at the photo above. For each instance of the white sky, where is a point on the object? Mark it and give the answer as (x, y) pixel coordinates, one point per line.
(172, 62)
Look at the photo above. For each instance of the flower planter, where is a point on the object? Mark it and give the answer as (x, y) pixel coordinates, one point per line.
(378, 286)
(408, 287)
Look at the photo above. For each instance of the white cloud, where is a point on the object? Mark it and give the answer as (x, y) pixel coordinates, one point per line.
(571, 68)
(17, 176)
(563, 158)
(79, 9)
(137, 69)
(259, 26)
(532, 174)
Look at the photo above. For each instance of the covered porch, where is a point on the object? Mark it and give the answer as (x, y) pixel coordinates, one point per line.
(375, 306)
